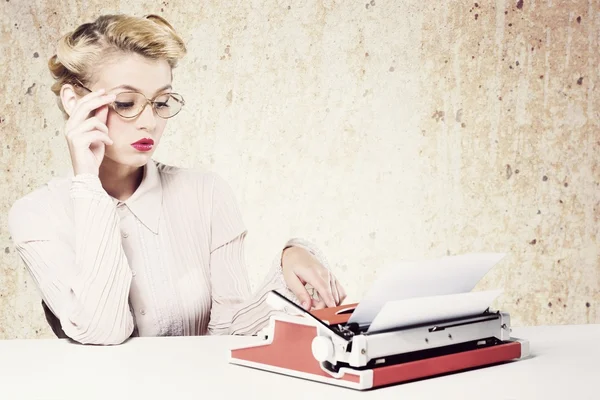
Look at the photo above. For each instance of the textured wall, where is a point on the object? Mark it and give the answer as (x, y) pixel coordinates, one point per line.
(382, 130)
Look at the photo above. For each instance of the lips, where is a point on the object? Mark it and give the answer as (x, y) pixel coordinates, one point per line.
(145, 144)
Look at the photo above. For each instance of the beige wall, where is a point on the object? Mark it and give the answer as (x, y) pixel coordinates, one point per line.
(382, 130)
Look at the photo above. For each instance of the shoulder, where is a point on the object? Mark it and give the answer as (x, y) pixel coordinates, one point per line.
(204, 182)
(213, 199)
(44, 205)
(47, 196)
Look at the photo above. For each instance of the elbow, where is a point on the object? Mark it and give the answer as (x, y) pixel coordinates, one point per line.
(94, 333)
(221, 331)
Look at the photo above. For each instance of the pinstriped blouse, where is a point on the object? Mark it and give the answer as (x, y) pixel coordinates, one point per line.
(167, 261)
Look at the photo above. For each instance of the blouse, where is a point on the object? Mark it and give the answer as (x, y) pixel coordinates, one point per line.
(168, 261)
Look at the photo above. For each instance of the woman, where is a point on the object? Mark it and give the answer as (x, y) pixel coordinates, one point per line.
(128, 246)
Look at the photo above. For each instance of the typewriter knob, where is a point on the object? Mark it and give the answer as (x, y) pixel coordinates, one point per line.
(322, 348)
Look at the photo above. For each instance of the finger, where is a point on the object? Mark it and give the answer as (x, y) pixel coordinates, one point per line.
(91, 95)
(322, 286)
(89, 124)
(298, 289)
(333, 286)
(341, 291)
(93, 137)
(83, 110)
(87, 97)
(318, 303)
(102, 114)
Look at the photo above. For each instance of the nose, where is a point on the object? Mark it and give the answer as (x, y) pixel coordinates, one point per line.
(147, 119)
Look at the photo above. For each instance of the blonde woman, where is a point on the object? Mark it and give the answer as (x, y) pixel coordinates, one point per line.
(128, 246)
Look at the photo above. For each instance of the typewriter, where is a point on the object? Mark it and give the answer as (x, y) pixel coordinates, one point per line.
(395, 337)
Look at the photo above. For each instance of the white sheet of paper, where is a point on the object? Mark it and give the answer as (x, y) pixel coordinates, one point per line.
(435, 277)
(422, 310)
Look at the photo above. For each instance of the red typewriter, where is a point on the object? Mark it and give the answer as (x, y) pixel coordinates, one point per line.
(400, 333)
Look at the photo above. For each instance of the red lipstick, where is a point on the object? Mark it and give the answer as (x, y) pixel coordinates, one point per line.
(145, 144)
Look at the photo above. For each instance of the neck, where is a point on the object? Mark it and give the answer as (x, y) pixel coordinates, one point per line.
(120, 181)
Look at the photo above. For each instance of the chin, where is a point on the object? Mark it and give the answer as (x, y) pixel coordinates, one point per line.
(138, 160)
(135, 160)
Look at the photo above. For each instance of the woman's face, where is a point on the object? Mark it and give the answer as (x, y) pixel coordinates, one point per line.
(134, 139)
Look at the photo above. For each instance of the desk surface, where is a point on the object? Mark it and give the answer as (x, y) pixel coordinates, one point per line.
(565, 364)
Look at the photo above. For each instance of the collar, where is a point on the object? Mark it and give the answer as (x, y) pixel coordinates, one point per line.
(146, 202)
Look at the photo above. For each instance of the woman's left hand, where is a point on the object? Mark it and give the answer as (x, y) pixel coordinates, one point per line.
(300, 267)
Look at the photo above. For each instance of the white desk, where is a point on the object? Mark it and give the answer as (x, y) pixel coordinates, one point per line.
(565, 365)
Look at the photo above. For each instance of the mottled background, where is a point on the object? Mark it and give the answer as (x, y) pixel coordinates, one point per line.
(381, 130)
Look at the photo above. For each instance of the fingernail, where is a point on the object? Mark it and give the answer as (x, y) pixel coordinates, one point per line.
(305, 305)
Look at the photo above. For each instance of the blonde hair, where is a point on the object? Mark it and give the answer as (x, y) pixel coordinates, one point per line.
(80, 52)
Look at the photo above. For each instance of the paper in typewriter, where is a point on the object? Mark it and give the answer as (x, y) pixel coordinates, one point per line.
(423, 310)
(414, 279)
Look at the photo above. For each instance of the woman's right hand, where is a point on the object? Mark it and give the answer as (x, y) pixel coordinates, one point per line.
(87, 135)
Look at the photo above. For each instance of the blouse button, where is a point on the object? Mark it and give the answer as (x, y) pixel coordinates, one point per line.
(125, 235)
(143, 312)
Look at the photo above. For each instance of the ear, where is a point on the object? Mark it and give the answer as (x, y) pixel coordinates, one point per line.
(68, 98)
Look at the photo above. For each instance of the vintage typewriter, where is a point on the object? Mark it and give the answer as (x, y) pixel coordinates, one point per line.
(387, 342)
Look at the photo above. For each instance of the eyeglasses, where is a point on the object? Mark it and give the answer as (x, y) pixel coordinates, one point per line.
(131, 104)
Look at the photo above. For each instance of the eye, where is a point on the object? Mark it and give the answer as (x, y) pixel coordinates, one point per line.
(121, 105)
(162, 101)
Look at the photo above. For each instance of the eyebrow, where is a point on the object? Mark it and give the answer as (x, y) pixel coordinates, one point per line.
(129, 87)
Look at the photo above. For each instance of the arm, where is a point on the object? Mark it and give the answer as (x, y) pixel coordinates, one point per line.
(86, 287)
(234, 309)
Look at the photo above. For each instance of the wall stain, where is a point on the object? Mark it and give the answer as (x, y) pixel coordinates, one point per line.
(438, 116)
(30, 89)
(459, 115)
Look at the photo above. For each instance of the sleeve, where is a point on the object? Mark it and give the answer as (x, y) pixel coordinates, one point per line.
(86, 287)
(235, 310)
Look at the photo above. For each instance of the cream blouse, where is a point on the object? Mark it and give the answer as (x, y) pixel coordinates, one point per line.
(168, 261)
